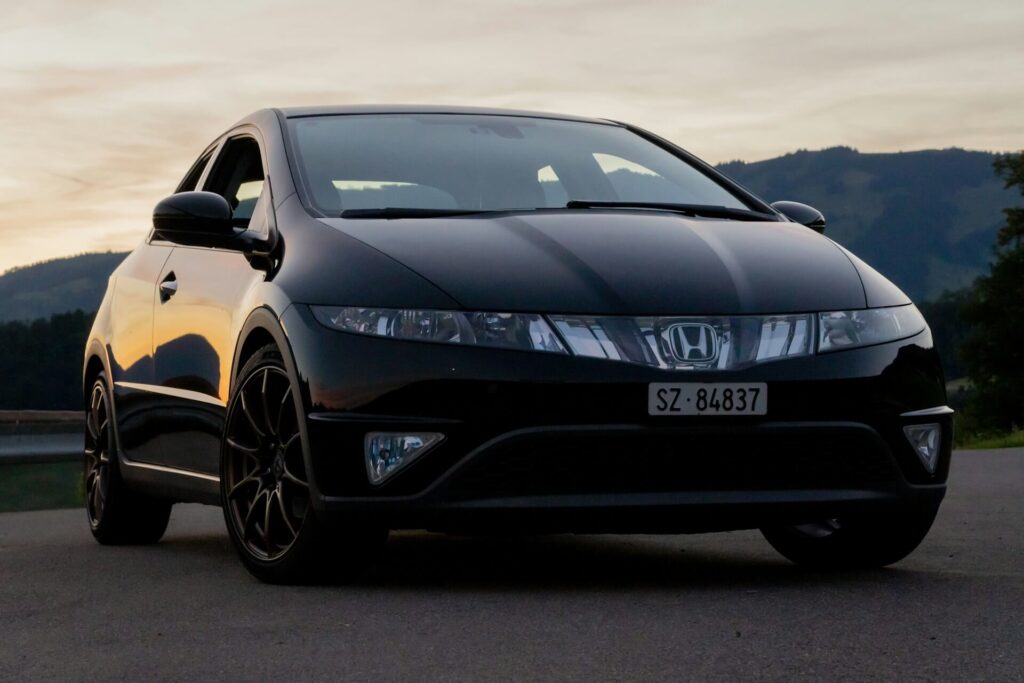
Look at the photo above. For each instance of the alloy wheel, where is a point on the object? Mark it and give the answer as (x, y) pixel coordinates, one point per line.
(266, 487)
(97, 454)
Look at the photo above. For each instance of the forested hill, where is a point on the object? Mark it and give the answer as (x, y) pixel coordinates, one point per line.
(926, 219)
(58, 286)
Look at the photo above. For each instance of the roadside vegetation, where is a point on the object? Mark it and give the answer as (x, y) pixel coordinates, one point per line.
(41, 487)
(979, 331)
(1014, 439)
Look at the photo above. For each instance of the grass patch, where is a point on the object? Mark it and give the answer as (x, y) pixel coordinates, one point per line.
(41, 487)
(1011, 440)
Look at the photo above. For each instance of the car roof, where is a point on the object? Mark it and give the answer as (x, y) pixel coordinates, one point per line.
(299, 112)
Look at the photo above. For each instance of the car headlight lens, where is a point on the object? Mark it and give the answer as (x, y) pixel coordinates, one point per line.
(500, 330)
(840, 330)
(687, 343)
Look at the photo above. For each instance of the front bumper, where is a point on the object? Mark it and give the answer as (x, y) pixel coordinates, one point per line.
(555, 443)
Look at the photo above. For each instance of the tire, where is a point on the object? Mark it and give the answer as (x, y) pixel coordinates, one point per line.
(265, 491)
(117, 515)
(868, 541)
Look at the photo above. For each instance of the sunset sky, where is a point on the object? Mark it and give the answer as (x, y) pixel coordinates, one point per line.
(103, 104)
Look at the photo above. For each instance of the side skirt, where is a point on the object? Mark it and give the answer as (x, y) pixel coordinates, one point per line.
(182, 486)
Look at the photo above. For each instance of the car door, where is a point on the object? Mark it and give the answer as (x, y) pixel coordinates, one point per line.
(196, 318)
(138, 413)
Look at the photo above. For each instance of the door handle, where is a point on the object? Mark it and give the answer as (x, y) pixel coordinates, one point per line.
(168, 288)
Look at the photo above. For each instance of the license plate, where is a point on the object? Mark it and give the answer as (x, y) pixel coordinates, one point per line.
(707, 398)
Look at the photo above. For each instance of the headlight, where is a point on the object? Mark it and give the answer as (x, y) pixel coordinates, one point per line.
(501, 330)
(850, 329)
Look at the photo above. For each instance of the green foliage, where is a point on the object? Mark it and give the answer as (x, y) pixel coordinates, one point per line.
(1010, 167)
(41, 487)
(993, 351)
(1011, 440)
(926, 220)
(948, 330)
(41, 362)
(58, 286)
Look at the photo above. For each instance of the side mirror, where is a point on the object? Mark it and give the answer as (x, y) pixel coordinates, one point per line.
(198, 219)
(802, 214)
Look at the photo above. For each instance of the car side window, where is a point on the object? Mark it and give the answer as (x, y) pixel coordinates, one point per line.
(238, 177)
(191, 179)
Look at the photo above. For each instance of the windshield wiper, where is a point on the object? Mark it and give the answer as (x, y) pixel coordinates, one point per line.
(705, 210)
(403, 212)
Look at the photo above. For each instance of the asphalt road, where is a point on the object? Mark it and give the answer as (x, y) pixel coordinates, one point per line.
(718, 606)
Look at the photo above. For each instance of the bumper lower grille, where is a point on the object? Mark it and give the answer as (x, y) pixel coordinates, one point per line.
(635, 463)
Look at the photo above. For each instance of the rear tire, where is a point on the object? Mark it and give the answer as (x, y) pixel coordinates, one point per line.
(265, 489)
(866, 541)
(117, 515)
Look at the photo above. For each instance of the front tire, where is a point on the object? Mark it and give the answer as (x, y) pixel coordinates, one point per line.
(865, 541)
(117, 515)
(265, 490)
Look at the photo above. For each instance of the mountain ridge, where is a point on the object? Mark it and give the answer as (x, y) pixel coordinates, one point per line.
(925, 219)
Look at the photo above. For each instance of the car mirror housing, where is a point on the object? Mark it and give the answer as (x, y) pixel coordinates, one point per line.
(194, 219)
(802, 214)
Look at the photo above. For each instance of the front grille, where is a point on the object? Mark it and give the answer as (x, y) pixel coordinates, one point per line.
(631, 463)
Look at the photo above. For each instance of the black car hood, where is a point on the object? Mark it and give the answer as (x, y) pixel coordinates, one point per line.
(618, 262)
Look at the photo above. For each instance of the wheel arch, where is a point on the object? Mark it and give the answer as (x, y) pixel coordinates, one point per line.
(262, 327)
(96, 361)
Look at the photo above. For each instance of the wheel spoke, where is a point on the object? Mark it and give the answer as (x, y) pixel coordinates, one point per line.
(288, 444)
(266, 522)
(284, 514)
(91, 419)
(248, 450)
(288, 476)
(266, 403)
(102, 474)
(250, 478)
(97, 497)
(250, 518)
(249, 415)
(281, 406)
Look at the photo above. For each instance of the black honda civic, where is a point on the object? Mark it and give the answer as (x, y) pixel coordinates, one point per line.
(356, 319)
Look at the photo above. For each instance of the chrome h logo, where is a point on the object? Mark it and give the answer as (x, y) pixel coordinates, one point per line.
(692, 342)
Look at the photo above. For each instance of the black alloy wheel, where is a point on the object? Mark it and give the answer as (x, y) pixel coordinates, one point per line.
(265, 490)
(117, 515)
(97, 454)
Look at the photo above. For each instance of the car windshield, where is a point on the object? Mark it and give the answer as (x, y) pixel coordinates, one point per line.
(458, 162)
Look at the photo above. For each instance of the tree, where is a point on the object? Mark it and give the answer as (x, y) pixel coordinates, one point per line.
(41, 362)
(993, 351)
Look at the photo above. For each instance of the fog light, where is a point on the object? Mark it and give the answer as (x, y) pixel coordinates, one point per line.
(925, 440)
(388, 452)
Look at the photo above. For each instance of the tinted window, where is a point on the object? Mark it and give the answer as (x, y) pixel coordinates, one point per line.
(238, 177)
(487, 162)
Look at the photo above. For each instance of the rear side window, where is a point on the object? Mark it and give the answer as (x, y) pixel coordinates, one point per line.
(191, 179)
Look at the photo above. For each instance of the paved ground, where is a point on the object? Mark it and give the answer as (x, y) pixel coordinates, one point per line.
(596, 608)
